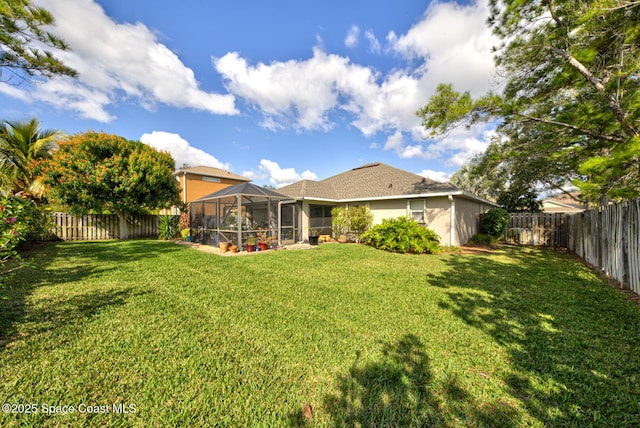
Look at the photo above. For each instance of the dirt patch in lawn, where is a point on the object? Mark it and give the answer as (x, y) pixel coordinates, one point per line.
(477, 249)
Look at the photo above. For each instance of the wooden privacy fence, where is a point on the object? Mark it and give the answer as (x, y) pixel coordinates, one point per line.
(548, 229)
(101, 226)
(608, 239)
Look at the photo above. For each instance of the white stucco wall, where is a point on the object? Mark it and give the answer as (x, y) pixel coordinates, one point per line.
(438, 217)
(388, 209)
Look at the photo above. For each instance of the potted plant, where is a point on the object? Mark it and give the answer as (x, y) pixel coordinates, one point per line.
(183, 224)
(233, 248)
(251, 244)
(224, 246)
(313, 236)
(263, 239)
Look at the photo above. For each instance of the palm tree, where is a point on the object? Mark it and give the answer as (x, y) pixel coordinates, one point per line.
(21, 145)
(469, 178)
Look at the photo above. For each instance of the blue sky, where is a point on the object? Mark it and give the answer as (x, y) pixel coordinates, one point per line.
(276, 91)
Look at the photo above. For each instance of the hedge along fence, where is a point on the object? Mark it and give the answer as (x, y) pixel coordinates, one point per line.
(94, 227)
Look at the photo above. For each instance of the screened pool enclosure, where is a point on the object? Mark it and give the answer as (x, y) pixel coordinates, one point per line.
(235, 213)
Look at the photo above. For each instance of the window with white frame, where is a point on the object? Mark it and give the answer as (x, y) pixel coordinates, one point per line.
(416, 206)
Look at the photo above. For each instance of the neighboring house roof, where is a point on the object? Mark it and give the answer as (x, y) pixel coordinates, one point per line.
(562, 203)
(370, 181)
(208, 171)
(244, 189)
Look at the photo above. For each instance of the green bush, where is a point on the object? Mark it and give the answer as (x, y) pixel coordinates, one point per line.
(168, 227)
(483, 239)
(402, 235)
(21, 220)
(494, 222)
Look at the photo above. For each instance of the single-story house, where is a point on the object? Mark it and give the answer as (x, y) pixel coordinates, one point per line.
(563, 203)
(389, 193)
(200, 181)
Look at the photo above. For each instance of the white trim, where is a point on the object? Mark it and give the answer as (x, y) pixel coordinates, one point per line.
(412, 196)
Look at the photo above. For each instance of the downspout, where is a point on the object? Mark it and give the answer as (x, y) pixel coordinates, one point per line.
(452, 221)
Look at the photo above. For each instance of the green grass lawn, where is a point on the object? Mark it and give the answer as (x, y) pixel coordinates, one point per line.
(178, 337)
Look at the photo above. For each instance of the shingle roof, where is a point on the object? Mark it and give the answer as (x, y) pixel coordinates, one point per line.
(372, 180)
(564, 201)
(246, 189)
(209, 171)
(309, 188)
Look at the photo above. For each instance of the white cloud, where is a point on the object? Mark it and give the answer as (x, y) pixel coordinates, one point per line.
(374, 43)
(116, 62)
(394, 142)
(439, 176)
(279, 176)
(351, 41)
(455, 44)
(181, 150)
(297, 94)
(13, 92)
(451, 44)
(457, 148)
(253, 175)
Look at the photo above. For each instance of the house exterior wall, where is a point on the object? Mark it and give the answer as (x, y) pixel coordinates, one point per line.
(388, 209)
(552, 207)
(467, 219)
(197, 185)
(438, 217)
(437, 213)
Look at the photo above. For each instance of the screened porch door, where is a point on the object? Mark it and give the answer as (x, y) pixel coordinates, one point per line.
(288, 224)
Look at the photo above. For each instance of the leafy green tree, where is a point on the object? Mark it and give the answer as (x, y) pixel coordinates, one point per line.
(21, 145)
(569, 108)
(101, 172)
(25, 45)
(519, 199)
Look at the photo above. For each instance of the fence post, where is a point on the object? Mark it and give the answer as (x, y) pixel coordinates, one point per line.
(625, 229)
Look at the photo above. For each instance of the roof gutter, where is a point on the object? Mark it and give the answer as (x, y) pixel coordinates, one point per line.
(409, 196)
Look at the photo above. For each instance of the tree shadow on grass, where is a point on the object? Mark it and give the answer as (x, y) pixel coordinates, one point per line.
(76, 310)
(573, 342)
(399, 391)
(89, 259)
